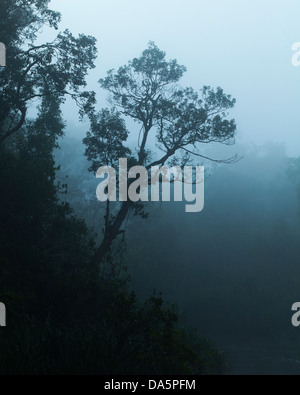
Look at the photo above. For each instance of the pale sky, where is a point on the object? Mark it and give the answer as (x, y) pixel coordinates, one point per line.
(244, 46)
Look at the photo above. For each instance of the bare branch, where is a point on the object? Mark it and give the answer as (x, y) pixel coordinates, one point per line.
(236, 158)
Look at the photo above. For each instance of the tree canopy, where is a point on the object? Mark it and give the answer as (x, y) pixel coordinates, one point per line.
(147, 90)
(43, 74)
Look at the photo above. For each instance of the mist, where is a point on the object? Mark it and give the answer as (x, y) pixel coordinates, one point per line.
(119, 288)
(244, 47)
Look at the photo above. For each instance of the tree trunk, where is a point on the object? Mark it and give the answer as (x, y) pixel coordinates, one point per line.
(111, 233)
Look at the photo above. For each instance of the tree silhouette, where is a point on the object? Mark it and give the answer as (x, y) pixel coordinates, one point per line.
(180, 119)
(42, 74)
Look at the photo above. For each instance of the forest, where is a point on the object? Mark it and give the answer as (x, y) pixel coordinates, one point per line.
(136, 288)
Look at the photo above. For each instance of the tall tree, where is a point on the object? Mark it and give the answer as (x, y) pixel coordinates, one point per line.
(43, 74)
(39, 230)
(180, 119)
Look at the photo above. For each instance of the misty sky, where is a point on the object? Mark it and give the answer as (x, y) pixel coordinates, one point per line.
(241, 45)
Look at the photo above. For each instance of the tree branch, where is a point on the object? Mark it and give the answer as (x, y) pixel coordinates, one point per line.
(231, 160)
(16, 128)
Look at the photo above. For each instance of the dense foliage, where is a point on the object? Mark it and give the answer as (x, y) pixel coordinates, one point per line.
(62, 316)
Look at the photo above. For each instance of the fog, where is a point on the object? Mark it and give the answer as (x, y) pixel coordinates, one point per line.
(229, 268)
(233, 269)
(146, 288)
(242, 46)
